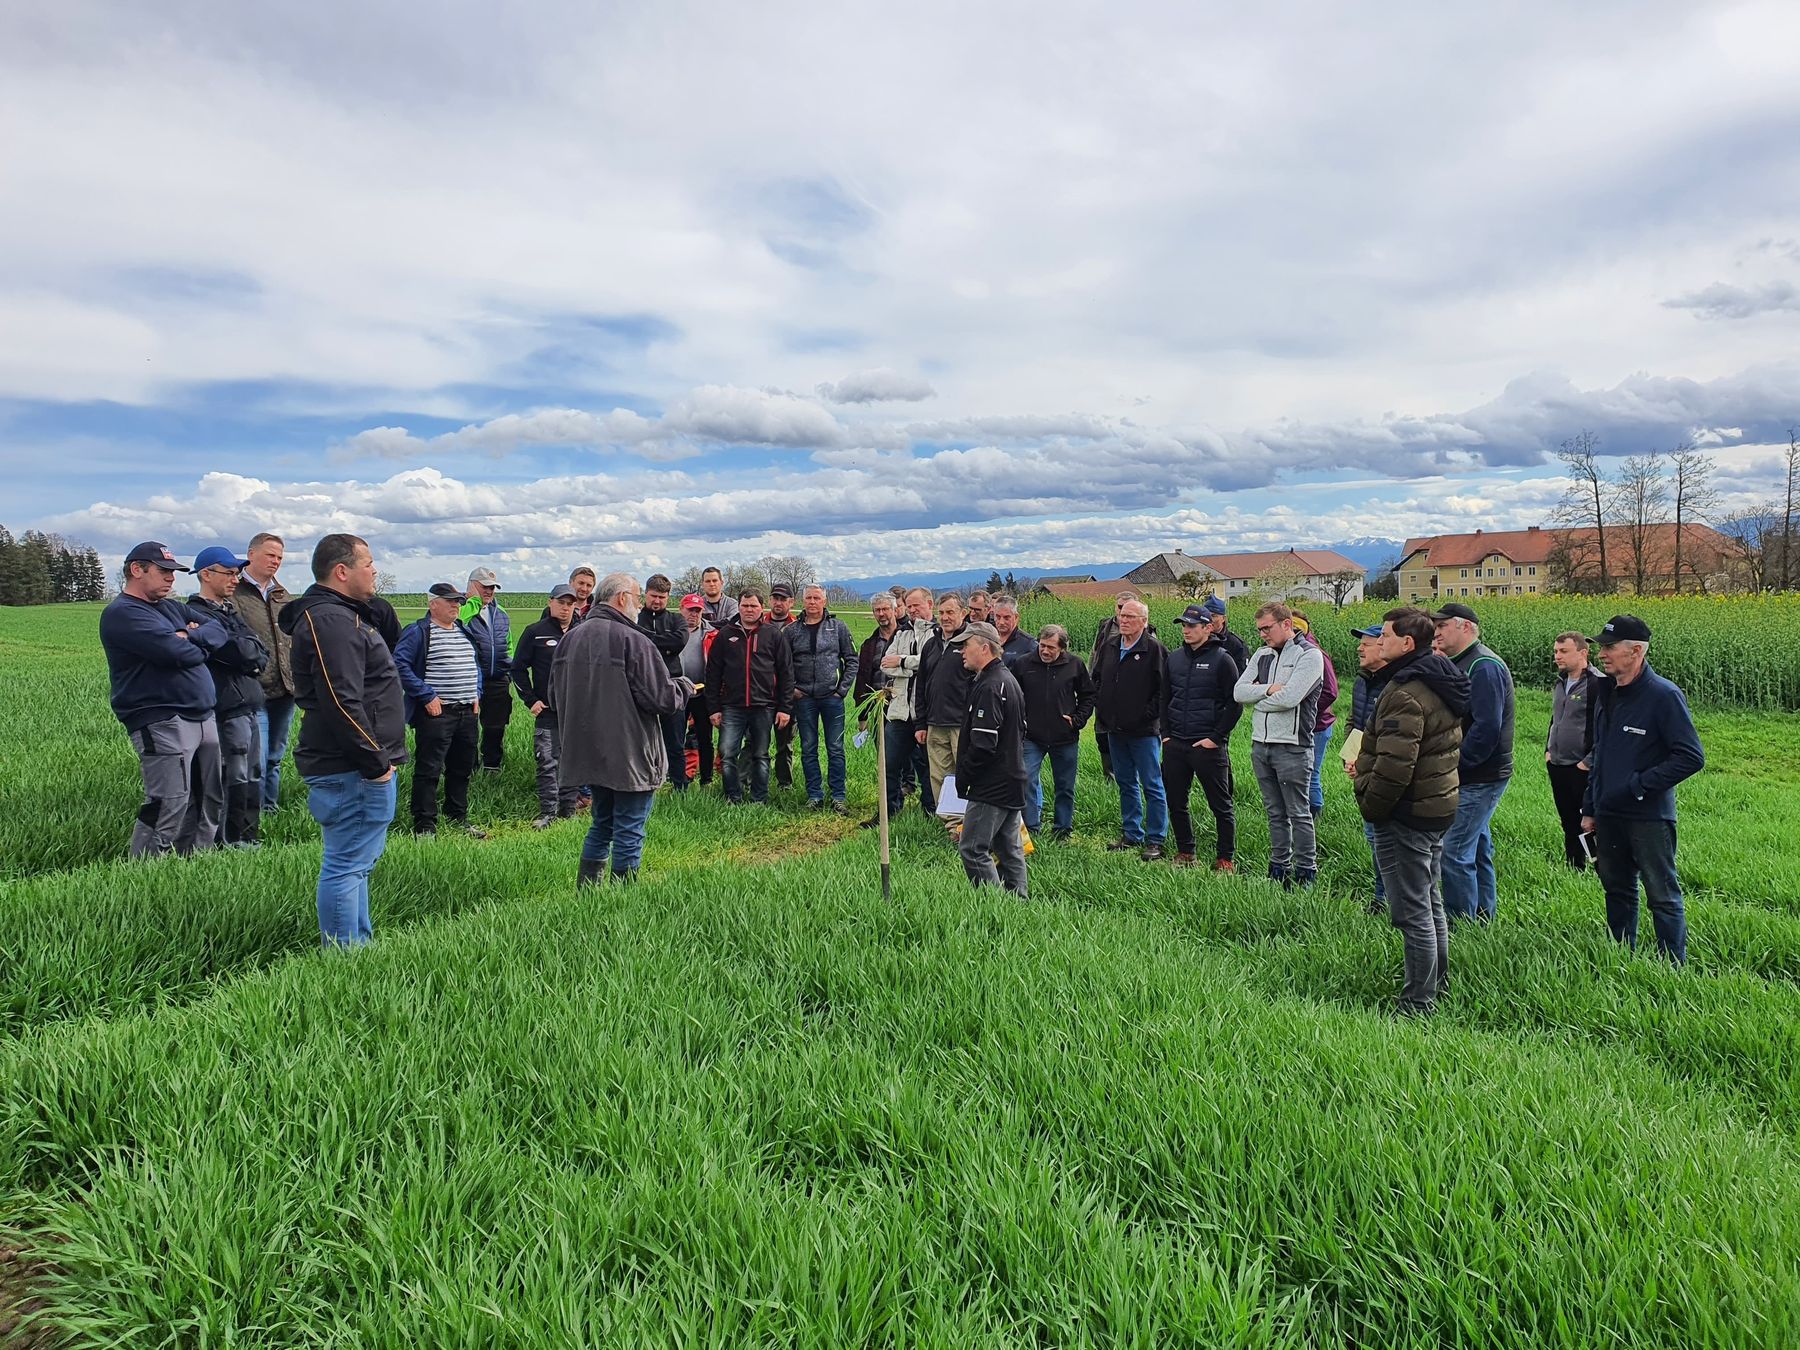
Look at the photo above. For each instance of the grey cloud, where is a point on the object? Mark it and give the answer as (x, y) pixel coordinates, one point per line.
(877, 386)
(1721, 300)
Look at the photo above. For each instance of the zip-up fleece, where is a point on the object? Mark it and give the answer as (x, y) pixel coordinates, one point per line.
(157, 674)
(1198, 702)
(347, 684)
(237, 665)
(1644, 744)
(749, 669)
(531, 664)
(1052, 691)
(1290, 717)
(1571, 736)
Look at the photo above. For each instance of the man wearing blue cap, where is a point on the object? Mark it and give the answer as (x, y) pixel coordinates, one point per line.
(235, 669)
(1234, 645)
(156, 652)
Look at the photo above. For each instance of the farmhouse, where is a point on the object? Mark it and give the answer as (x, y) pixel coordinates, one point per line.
(1535, 560)
(1316, 574)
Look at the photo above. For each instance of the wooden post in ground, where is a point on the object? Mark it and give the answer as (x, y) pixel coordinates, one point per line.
(879, 717)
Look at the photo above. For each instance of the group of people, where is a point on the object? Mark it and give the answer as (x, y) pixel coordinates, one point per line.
(624, 684)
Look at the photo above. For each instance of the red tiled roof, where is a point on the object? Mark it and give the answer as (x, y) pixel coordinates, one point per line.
(1089, 590)
(1305, 561)
(1536, 546)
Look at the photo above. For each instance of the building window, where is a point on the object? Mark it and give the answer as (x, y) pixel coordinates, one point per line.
(1465, 590)
(1465, 574)
(1534, 590)
(1534, 573)
(1518, 571)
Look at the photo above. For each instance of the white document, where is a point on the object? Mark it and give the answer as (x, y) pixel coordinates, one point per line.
(860, 739)
(950, 802)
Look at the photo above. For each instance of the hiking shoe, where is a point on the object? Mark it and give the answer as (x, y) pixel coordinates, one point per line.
(1180, 859)
(1304, 877)
(1123, 846)
(817, 804)
(840, 808)
(872, 823)
(1225, 865)
(1061, 836)
(1152, 853)
(543, 822)
(463, 827)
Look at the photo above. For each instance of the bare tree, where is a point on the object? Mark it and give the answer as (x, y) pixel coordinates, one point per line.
(1385, 580)
(1755, 536)
(1583, 507)
(1690, 482)
(1641, 500)
(791, 571)
(1190, 584)
(386, 583)
(1338, 585)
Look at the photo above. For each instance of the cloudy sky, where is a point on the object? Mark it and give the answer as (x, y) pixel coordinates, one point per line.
(896, 287)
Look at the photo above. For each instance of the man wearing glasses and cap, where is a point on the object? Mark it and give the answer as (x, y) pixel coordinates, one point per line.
(1644, 744)
(156, 655)
(236, 670)
(489, 628)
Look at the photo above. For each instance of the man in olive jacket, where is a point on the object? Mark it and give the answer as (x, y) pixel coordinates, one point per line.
(260, 599)
(1406, 786)
(611, 690)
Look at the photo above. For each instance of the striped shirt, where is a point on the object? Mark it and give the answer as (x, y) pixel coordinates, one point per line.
(450, 665)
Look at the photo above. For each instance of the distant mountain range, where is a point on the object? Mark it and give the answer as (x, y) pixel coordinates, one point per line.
(1366, 552)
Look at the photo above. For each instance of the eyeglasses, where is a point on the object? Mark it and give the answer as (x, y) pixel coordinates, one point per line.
(1266, 627)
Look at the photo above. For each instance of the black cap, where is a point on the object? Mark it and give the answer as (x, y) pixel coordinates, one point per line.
(152, 552)
(561, 592)
(1196, 614)
(1622, 628)
(1455, 611)
(782, 590)
(443, 590)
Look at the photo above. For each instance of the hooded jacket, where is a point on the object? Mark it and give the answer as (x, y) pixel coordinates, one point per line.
(1128, 687)
(749, 668)
(531, 664)
(262, 614)
(1058, 695)
(157, 663)
(1197, 702)
(611, 689)
(238, 664)
(346, 682)
(1290, 717)
(1406, 770)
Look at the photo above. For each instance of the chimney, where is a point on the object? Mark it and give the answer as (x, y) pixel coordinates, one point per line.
(1478, 529)
(1532, 529)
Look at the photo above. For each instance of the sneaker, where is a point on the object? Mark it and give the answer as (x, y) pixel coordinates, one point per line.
(1225, 865)
(1277, 872)
(1304, 877)
(840, 808)
(543, 822)
(1180, 859)
(490, 768)
(1152, 853)
(1123, 846)
(872, 823)
(463, 827)
(1061, 836)
(815, 804)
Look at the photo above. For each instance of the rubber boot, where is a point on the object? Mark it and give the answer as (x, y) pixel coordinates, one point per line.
(625, 878)
(590, 874)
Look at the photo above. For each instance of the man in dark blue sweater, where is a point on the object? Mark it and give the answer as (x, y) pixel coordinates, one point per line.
(156, 653)
(1644, 744)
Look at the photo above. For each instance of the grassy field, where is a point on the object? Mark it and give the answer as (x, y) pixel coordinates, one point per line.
(746, 1102)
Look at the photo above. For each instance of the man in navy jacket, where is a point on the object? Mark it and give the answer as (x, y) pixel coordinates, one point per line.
(156, 653)
(1644, 744)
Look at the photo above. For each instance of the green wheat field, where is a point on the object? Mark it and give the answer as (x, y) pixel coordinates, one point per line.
(746, 1102)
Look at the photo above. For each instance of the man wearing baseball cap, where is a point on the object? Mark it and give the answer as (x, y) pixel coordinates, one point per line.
(440, 671)
(693, 666)
(490, 629)
(1199, 710)
(163, 693)
(777, 622)
(531, 664)
(236, 669)
(1471, 887)
(1234, 645)
(1644, 744)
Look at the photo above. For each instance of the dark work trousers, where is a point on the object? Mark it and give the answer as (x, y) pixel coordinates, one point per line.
(1183, 762)
(700, 732)
(1568, 785)
(674, 729)
(444, 747)
(1103, 743)
(1627, 851)
(784, 756)
(240, 749)
(496, 712)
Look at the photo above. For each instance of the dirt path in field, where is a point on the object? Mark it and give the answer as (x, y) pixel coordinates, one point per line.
(799, 836)
(18, 1273)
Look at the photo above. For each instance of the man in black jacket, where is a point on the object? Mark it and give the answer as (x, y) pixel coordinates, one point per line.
(1199, 710)
(941, 692)
(750, 688)
(1233, 644)
(532, 660)
(1059, 700)
(990, 765)
(668, 633)
(1128, 680)
(236, 668)
(354, 731)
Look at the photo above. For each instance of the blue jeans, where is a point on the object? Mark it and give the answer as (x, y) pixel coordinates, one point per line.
(674, 730)
(273, 721)
(1625, 850)
(1137, 765)
(1321, 744)
(1063, 762)
(618, 825)
(1470, 891)
(746, 732)
(811, 713)
(1375, 852)
(353, 814)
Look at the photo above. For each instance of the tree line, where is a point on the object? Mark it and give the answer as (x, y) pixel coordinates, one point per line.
(46, 569)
